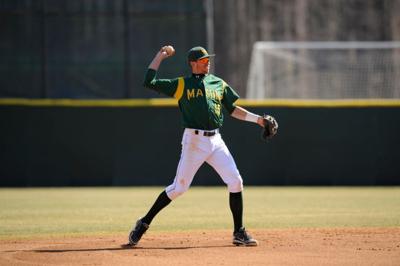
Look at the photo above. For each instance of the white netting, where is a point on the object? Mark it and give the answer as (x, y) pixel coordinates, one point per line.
(324, 70)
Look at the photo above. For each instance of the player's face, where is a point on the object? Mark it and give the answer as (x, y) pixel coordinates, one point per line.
(201, 66)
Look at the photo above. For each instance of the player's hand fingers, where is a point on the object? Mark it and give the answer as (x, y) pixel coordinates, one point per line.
(163, 49)
(167, 51)
(163, 53)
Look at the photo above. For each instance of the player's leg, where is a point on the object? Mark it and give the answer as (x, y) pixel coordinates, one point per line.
(189, 163)
(143, 223)
(222, 161)
(195, 150)
(193, 155)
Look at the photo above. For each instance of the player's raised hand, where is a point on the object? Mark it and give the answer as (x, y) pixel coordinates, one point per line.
(163, 53)
(167, 51)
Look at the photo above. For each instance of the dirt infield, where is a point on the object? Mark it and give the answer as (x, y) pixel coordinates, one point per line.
(359, 246)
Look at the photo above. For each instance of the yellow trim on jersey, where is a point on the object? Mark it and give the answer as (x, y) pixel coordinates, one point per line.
(168, 102)
(179, 90)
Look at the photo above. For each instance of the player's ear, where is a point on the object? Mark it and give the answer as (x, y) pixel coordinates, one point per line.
(192, 64)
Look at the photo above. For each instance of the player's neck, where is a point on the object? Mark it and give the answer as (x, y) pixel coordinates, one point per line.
(199, 71)
(198, 75)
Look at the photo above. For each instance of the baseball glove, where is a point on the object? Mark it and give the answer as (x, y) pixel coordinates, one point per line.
(270, 127)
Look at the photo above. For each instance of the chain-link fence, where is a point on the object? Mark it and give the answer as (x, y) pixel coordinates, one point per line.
(92, 49)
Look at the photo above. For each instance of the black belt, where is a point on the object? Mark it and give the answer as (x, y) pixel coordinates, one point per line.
(206, 133)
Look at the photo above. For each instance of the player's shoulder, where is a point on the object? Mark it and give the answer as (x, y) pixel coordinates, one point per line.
(215, 79)
(212, 76)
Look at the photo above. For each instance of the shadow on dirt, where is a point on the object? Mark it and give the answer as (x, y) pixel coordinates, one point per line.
(121, 248)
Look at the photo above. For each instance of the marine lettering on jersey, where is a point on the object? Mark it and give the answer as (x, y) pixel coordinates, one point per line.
(199, 93)
(210, 94)
(194, 93)
(213, 94)
(190, 93)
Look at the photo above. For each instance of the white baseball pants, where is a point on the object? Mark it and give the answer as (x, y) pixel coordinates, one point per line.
(197, 149)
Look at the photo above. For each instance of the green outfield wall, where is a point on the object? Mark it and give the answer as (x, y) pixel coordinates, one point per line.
(137, 142)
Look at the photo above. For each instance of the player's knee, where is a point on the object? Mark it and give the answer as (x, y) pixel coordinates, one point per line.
(235, 185)
(179, 190)
(176, 193)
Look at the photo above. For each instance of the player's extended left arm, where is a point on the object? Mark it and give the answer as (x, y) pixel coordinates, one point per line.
(242, 114)
(269, 124)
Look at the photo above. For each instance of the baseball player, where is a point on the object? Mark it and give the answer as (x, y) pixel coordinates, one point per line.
(201, 98)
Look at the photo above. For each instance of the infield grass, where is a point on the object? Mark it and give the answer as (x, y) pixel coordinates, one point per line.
(48, 212)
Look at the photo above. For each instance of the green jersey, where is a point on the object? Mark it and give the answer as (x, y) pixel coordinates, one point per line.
(200, 98)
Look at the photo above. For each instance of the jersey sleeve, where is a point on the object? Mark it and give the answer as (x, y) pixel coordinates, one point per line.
(164, 86)
(229, 97)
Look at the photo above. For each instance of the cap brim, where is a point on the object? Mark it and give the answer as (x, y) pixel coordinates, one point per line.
(206, 56)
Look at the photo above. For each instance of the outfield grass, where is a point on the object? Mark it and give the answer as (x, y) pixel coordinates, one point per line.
(26, 213)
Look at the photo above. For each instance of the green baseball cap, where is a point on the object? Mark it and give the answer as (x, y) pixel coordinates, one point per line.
(197, 53)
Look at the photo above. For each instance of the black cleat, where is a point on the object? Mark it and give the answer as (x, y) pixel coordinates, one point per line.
(241, 238)
(136, 234)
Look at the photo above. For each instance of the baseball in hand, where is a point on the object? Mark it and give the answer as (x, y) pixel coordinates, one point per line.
(169, 50)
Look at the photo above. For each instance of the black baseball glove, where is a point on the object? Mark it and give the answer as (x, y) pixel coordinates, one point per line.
(270, 127)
